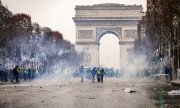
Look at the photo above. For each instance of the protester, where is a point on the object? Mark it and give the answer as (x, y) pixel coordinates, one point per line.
(5, 75)
(16, 72)
(102, 74)
(93, 72)
(98, 74)
(166, 72)
(81, 70)
(25, 75)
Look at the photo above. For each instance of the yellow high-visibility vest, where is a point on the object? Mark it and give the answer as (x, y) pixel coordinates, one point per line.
(98, 71)
(25, 71)
(18, 69)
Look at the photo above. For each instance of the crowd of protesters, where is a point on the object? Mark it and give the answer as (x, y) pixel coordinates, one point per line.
(91, 73)
(97, 73)
(19, 74)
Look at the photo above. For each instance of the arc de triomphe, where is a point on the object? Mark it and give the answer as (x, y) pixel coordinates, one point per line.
(92, 22)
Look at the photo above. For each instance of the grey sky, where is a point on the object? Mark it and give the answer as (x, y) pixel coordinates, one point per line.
(57, 14)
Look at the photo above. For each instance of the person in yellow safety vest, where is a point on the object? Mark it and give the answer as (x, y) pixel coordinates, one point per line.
(37, 73)
(98, 74)
(16, 72)
(66, 70)
(25, 74)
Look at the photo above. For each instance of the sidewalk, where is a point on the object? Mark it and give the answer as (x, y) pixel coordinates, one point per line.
(175, 82)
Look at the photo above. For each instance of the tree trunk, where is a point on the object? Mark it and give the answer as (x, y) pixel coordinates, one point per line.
(175, 63)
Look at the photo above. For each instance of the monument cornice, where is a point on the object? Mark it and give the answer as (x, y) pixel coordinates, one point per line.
(86, 43)
(106, 18)
(105, 22)
(109, 6)
(126, 42)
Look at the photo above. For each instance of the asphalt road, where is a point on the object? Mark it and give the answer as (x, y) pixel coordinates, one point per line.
(71, 93)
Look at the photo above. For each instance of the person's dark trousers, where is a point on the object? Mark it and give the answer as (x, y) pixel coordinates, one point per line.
(17, 77)
(5, 76)
(102, 78)
(25, 76)
(29, 75)
(98, 78)
(1, 75)
(92, 77)
(81, 77)
(166, 77)
(13, 77)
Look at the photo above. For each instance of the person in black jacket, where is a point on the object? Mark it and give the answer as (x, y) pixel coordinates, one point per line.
(16, 72)
(5, 75)
(166, 72)
(102, 74)
(93, 72)
(2, 75)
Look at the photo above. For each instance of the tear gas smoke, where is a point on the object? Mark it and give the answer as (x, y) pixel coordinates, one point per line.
(50, 60)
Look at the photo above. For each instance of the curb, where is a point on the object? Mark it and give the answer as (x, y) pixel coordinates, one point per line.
(175, 83)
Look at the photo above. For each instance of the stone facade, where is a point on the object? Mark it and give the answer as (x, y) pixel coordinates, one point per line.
(85, 34)
(107, 13)
(93, 22)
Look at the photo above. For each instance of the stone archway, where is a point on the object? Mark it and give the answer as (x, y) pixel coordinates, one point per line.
(102, 31)
(109, 50)
(92, 22)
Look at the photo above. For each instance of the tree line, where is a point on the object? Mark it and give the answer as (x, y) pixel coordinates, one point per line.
(162, 29)
(24, 42)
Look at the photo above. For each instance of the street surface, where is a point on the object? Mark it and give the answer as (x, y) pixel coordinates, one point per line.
(71, 93)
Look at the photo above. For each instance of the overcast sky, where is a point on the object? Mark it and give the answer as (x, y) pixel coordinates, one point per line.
(57, 14)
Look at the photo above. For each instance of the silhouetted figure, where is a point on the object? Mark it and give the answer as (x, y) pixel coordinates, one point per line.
(16, 72)
(29, 74)
(166, 72)
(93, 72)
(25, 75)
(102, 74)
(81, 70)
(98, 74)
(3, 75)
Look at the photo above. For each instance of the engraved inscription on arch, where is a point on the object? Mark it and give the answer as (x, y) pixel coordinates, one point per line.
(85, 34)
(131, 33)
